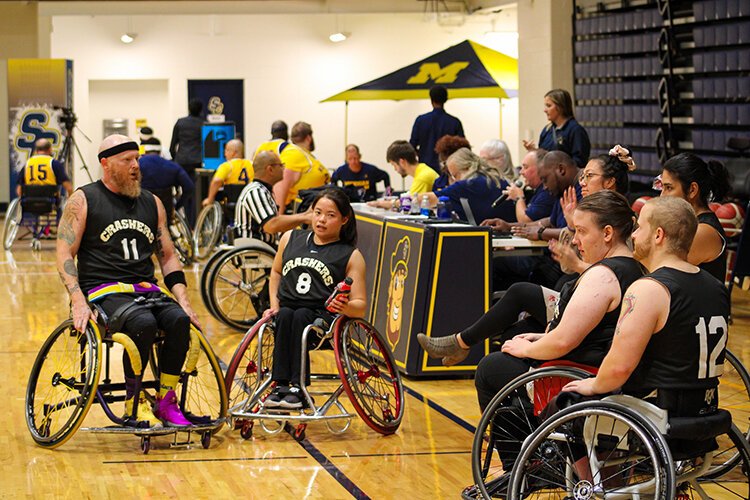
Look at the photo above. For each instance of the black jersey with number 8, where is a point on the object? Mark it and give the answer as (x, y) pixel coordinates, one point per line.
(310, 272)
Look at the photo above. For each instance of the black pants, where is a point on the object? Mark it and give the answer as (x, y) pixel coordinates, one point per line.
(503, 314)
(539, 269)
(142, 325)
(287, 350)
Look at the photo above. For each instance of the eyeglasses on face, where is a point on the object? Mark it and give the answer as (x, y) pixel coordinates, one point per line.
(587, 176)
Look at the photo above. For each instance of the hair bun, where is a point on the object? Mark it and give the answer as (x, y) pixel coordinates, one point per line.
(623, 155)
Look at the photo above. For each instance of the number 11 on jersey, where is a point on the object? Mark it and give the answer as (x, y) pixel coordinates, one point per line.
(126, 251)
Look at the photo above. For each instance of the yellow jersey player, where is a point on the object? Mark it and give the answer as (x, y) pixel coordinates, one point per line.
(235, 171)
(301, 169)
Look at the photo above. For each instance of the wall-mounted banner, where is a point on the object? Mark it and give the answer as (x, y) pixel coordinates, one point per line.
(223, 101)
(40, 100)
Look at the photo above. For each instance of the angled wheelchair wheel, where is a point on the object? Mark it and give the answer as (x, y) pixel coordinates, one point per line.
(205, 274)
(62, 384)
(732, 483)
(734, 396)
(238, 286)
(250, 365)
(182, 237)
(13, 217)
(594, 450)
(510, 417)
(368, 373)
(208, 229)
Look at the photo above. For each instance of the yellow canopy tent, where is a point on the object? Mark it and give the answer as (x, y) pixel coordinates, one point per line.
(468, 70)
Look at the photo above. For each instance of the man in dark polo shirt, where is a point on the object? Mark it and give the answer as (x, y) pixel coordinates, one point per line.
(359, 174)
(430, 127)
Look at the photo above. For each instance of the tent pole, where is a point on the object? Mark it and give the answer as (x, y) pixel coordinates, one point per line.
(346, 123)
(500, 123)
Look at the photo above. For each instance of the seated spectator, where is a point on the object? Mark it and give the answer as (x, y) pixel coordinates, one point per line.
(41, 169)
(580, 320)
(256, 214)
(235, 171)
(480, 184)
(160, 175)
(403, 158)
(496, 153)
(444, 147)
(604, 172)
(698, 182)
(540, 200)
(359, 174)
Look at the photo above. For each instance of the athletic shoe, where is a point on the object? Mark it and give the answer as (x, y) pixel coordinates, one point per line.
(169, 412)
(447, 348)
(294, 399)
(144, 413)
(274, 399)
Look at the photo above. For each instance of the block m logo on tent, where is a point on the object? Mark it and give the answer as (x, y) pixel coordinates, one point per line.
(433, 71)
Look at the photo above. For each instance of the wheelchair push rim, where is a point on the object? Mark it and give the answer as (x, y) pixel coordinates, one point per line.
(539, 385)
(624, 456)
(204, 281)
(368, 374)
(13, 218)
(62, 384)
(207, 230)
(238, 286)
(182, 237)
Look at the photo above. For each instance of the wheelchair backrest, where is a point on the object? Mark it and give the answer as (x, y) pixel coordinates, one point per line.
(38, 199)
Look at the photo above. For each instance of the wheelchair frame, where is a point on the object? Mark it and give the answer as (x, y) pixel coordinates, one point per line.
(84, 387)
(36, 222)
(254, 382)
(215, 218)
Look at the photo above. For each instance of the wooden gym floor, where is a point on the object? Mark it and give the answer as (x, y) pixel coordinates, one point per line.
(429, 457)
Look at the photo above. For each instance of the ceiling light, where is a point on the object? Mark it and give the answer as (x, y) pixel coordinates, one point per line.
(339, 37)
(128, 37)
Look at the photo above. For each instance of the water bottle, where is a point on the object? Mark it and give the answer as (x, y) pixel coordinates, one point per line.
(405, 201)
(442, 208)
(415, 205)
(343, 288)
(425, 206)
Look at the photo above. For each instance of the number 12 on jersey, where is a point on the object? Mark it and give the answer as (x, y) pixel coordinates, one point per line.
(709, 337)
(126, 251)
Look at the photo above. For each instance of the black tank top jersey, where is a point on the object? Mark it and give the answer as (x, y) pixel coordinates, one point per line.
(310, 272)
(119, 238)
(688, 353)
(594, 347)
(718, 266)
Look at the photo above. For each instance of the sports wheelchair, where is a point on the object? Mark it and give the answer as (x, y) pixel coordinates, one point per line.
(36, 210)
(515, 412)
(366, 373)
(215, 219)
(66, 379)
(179, 230)
(234, 282)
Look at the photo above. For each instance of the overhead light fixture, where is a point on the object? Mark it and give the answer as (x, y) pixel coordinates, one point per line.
(128, 37)
(339, 36)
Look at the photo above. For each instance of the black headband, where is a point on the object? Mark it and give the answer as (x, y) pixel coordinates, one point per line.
(125, 146)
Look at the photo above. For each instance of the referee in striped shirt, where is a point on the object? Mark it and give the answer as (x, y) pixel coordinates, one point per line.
(256, 215)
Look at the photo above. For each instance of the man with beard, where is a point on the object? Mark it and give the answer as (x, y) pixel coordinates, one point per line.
(114, 228)
(301, 169)
(672, 331)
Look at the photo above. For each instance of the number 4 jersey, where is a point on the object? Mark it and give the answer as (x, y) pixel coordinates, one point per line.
(310, 272)
(119, 238)
(688, 353)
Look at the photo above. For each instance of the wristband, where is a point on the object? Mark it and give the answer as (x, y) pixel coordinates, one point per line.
(174, 278)
(540, 232)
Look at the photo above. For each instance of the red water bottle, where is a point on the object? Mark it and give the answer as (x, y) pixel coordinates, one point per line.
(342, 288)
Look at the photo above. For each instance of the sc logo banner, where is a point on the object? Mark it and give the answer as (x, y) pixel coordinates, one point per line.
(34, 124)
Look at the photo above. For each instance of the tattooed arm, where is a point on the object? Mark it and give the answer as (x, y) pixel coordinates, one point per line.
(644, 312)
(169, 261)
(69, 235)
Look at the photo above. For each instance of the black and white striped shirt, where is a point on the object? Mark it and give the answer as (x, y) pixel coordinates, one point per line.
(255, 207)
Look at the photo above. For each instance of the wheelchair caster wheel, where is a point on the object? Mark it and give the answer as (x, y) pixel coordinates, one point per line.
(246, 431)
(206, 440)
(145, 444)
(299, 432)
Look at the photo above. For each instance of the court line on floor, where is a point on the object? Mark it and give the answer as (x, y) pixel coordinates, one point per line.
(330, 468)
(236, 459)
(440, 409)
(407, 454)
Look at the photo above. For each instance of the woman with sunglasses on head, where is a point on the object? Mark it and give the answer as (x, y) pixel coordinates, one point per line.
(698, 182)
